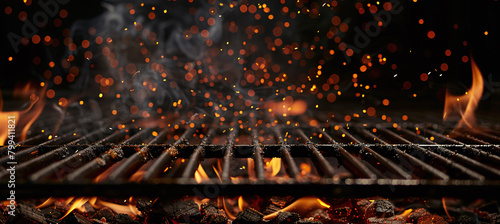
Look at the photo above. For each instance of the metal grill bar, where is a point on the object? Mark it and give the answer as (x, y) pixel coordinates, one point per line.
(32, 165)
(66, 165)
(455, 155)
(353, 162)
(386, 162)
(198, 154)
(99, 164)
(135, 160)
(165, 158)
(293, 170)
(28, 153)
(485, 135)
(437, 157)
(35, 140)
(257, 155)
(424, 166)
(325, 167)
(231, 141)
(493, 148)
(475, 152)
(360, 167)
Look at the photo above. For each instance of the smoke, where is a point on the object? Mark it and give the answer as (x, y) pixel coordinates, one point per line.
(150, 58)
(160, 56)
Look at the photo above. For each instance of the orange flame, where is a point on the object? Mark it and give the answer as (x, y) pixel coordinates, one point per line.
(240, 203)
(25, 118)
(304, 204)
(200, 201)
(200, 175)
(46, 203)
(216, 172)
(405, 214)
(128, 209)
(229, 213)
(445, 209)
(93, 200)
(323, 203)
(465, 105)
(274, 166)
(76, 204)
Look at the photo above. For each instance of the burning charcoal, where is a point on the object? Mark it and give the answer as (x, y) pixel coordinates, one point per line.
(431, 219)
(286, 217)
(95, 221)
(26, 214)
(53, 221)
(340, 212)
(418, 213)
(280, 201)
(384, 208)
(250, 215)
(490, 218)
(153, 212)
(75, 218)
(89, 209)
(51, 212)
(271, 209)
(391, 220)
(124, 219)
(144, 205)
(183, 210)
(276, 204)
(211, 214)
(364, 210)
(467, 219)
(156, 218)
(105, 213)
(320, 215)
(307, 221)
(374, 208)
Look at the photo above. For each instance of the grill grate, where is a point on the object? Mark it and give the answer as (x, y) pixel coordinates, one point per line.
(232, 158)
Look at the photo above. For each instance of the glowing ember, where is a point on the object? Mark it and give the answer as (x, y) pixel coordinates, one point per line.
(305, 169)
(289, 106)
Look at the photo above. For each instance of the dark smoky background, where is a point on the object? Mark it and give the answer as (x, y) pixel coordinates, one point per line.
(149, 58)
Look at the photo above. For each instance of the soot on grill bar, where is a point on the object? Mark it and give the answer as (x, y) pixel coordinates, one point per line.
(249, 111)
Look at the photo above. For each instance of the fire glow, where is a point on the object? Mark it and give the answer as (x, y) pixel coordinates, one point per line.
(304, 204)
(24, 118)
(78, 203)
(465, 105)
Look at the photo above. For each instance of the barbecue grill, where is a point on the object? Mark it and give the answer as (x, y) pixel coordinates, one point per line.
(361, 158)
(168, 110)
